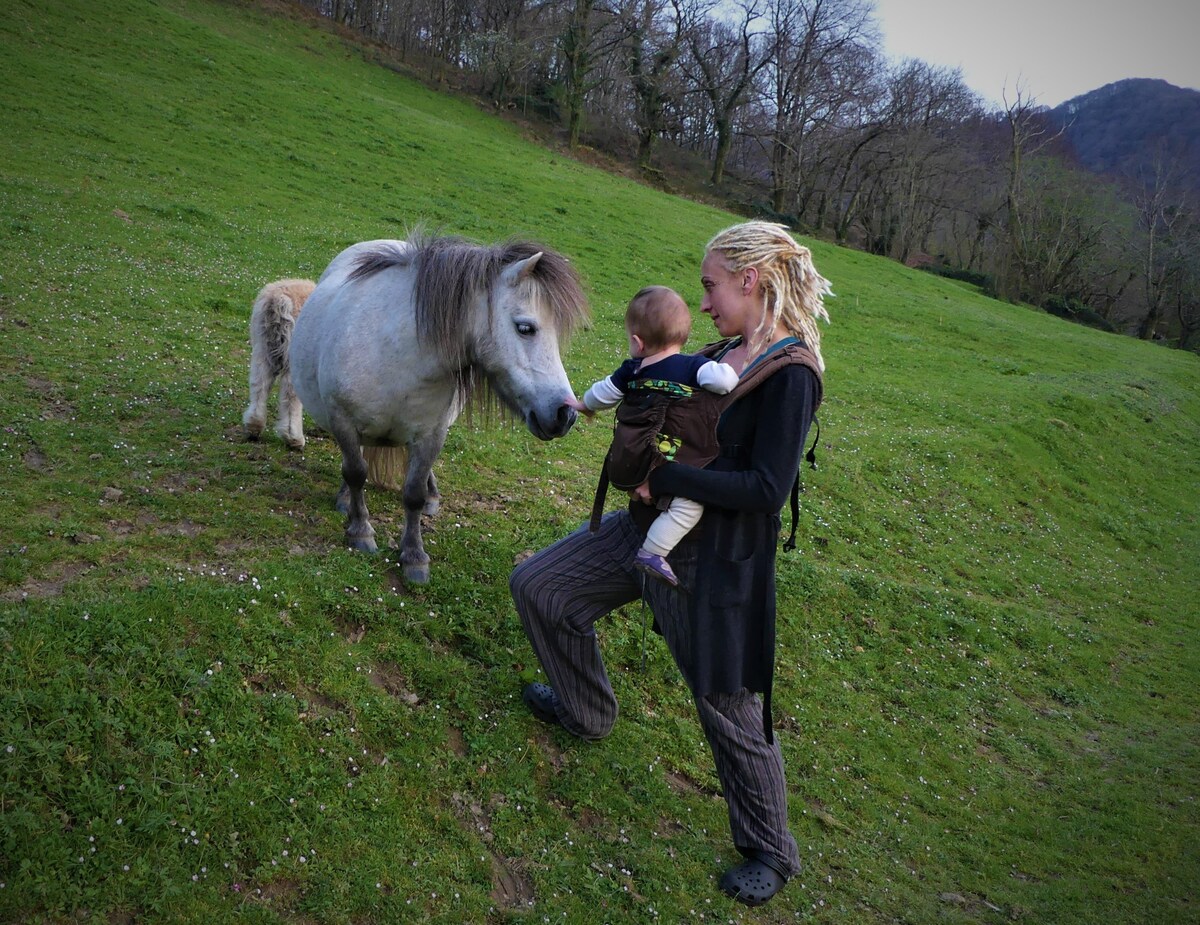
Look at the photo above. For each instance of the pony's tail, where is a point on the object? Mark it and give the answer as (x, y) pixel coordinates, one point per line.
(386, 466)
(275, 312)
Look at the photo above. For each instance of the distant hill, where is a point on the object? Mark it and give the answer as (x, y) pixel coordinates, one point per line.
(1123, 126)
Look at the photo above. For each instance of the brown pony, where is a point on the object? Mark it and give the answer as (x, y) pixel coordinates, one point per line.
(271, 321)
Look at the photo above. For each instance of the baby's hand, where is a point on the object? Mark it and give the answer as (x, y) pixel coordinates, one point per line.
(579, 406)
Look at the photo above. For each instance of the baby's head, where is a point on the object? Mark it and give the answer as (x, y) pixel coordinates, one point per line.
(659, 319)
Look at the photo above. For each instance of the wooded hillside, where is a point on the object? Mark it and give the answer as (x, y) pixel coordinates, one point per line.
(790, 109)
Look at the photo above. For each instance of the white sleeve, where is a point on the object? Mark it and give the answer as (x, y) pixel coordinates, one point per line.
(717, 377)
(604, 394)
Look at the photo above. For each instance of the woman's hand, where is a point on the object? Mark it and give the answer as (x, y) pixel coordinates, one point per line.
(642, 493)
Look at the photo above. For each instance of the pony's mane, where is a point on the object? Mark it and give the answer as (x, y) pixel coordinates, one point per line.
(452, 273)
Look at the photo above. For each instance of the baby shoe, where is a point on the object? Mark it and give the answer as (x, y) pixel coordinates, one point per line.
(656, 567)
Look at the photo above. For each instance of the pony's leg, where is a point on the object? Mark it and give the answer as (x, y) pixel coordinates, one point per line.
(433, 497)
(360, 534)
(417, 485)
(261, 379)
(290, 425)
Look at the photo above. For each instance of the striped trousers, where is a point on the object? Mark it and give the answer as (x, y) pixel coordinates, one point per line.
(563, 590)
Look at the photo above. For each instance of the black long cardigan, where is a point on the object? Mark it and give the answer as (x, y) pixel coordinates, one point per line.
(733, 601)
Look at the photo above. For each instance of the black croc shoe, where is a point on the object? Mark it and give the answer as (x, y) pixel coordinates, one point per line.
(752, 882)
(542, 702)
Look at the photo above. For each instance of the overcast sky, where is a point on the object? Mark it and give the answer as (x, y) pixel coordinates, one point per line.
(1056, 49)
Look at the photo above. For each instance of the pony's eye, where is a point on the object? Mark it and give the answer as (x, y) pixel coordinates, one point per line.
(525, 329)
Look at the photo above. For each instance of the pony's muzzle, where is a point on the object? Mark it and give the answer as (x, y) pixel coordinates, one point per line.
(563, 420)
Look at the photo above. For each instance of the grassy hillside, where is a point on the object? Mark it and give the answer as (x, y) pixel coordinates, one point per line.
(209, 711)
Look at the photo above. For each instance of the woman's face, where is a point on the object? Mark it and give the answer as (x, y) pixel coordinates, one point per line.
(730, 299)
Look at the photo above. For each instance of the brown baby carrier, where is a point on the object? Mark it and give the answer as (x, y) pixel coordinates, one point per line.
(660, 421)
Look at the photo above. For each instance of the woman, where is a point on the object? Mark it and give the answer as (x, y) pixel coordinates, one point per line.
(763, 294)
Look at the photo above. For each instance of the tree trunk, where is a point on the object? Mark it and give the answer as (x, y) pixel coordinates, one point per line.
(724, 128)
(577, 53)
(779, 186)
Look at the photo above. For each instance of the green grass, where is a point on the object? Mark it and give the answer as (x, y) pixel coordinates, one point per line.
(210, 711)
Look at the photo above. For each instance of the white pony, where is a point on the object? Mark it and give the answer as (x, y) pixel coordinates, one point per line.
(399, 336)
(271, 321)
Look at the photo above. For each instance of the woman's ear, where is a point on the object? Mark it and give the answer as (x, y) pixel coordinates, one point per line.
(749, 280)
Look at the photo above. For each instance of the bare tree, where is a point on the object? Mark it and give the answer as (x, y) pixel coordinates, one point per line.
(725, 57)
(1187, 300)
(504, 41)
(652, 31)
(583, 42)
(1064, 229)
(1028, 134)
(1163, 225)
(816, 67)
(928, 105)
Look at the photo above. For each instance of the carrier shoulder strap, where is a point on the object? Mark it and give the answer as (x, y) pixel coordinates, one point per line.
(791, 351)
(598, 500)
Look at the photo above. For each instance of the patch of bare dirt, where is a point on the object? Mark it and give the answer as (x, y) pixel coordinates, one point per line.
(173, 483)
(317, 703)
(468, 501)
(183, 528)
(282, 895)
(48, 585)
(351, 630)
(973, 904)
(395, 580)
(554, 753)
(58, 410)
(121, 529)
(35, 460)
(587, 818)
(825, 817)
(388, 677)
(511, 888)
(684, 783)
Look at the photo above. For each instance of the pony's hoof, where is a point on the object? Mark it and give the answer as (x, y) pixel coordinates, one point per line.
(432, 506)
(252, 433)
(295, 445)
(416, 574)
(362, 544)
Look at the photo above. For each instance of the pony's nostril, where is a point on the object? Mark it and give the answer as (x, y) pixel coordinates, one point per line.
(565, 419)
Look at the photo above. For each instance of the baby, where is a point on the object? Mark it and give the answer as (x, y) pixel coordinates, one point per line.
(660, 376)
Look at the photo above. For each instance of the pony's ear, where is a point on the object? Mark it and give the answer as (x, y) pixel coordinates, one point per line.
(515, 272)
